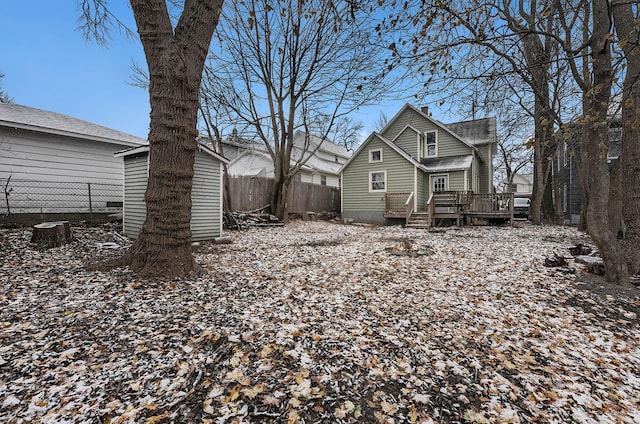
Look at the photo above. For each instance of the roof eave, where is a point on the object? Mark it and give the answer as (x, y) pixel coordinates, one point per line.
(46, 130)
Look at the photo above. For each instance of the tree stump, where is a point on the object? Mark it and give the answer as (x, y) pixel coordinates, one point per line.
(51, 234)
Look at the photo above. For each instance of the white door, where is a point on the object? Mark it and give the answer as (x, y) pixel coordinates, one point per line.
(440, 183)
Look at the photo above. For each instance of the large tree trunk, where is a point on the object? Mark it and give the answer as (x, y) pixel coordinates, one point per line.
(626, 24)
(595, 140)
(175, 58)
(537, 59)
(544, 146)
(279, 198)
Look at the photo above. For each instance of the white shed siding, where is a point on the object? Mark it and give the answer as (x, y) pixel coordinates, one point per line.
(28, 155)
(206, 196)
(135, 210)
(206, 219)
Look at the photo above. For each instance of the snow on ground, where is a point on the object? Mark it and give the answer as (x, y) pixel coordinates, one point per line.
(318, 322)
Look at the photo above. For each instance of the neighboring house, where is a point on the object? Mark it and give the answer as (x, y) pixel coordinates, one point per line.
(322, 168)
(206, 192)
(521, 184)
(413, 157)
(56, 162)
(566, 165)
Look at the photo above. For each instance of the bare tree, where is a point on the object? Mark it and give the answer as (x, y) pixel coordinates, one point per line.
(175, 52)
(626, 16)
(502, 48)
(381, 122)
(4, 97)
(295, 65)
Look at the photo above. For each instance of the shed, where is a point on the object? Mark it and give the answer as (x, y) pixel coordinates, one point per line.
(206, 193)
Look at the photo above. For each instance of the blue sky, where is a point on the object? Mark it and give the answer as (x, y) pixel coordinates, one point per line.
(48, 64)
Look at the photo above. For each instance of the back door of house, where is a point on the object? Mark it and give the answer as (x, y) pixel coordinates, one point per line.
(439, 183)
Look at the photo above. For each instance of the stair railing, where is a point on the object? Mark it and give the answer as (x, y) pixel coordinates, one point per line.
(409, 206)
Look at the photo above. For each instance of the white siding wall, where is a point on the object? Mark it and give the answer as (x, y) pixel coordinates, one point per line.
(332, 180)
(206, 196)
(134, 210)
(27, 155)
(249, 164)
(206, 199)
(54, 174)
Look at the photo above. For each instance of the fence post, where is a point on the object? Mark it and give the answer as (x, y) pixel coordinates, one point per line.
(90, 204)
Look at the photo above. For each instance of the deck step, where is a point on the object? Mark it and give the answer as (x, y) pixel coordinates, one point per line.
(419, 220)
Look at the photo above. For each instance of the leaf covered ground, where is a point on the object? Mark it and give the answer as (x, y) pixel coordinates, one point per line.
(318, 322)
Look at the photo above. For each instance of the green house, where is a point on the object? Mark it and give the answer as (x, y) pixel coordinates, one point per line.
(413, 158)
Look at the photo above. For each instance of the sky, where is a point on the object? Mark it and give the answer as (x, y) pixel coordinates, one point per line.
(49, 65)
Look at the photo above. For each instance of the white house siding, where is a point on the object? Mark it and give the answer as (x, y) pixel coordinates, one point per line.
(135, 175)
(358, 203)
(254, 164)
(206, 196)
(29, 155)
(206, 199)
(316, 178)
(51, 173)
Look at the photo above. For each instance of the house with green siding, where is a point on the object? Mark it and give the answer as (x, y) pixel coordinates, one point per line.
(413, 158)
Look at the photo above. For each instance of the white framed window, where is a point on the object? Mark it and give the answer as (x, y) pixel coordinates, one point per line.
(323, 180)
(439, 182)
(430, 144)
(377, 181)
(375, 155)
(565, 153)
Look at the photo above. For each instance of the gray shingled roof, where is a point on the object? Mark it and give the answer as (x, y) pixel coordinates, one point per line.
(451, 163)
(28, 118)
(476, 132)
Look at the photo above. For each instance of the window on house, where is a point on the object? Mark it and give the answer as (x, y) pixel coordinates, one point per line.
(565, 153)
(323, 180)
(375, 155)
(378, 181)
(429, 144)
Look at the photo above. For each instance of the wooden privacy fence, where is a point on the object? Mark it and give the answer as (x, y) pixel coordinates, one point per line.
(249, 193)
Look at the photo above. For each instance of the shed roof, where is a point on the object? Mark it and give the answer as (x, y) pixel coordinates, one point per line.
(28, 118)
(144, 149)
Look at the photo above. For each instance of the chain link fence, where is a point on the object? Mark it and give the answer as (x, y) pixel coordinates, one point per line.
(56, 197)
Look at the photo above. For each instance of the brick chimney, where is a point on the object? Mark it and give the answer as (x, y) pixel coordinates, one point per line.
(425, 110)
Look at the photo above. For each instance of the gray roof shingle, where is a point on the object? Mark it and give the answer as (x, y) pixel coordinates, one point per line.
(27, 118)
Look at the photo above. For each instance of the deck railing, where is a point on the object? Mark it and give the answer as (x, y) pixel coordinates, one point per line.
(491, 203)
(395, 203)
(409, 206)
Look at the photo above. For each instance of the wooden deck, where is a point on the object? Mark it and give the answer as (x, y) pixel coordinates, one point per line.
(461, 206)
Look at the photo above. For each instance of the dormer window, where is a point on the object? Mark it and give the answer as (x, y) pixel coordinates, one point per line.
(430, 144)
(375, 155)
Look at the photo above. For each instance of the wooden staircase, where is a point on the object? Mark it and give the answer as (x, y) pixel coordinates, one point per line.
(419, 220)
